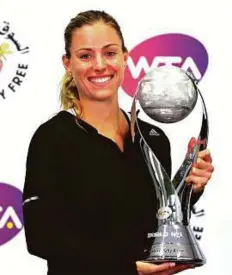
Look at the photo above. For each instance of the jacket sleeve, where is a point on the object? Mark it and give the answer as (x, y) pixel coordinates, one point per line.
(41, 197)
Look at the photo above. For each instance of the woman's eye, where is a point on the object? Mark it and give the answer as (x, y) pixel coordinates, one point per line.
(110, 53)
(85, 56)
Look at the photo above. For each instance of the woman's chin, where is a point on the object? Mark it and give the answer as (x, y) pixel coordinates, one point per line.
(103, 95)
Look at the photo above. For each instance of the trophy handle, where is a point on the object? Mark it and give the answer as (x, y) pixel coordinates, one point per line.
(184, 191)
(200, 144)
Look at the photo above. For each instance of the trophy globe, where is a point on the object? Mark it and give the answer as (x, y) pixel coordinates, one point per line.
(167, 94)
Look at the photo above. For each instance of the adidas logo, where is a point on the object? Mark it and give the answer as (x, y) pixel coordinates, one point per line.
(153, 132)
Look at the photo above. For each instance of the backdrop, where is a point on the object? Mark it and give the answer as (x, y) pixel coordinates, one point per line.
(194, 35)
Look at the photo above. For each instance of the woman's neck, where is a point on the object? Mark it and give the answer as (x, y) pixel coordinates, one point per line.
(107, 118)
(100, 113)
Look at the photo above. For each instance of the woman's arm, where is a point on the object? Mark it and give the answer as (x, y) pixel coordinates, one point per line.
(41, 196)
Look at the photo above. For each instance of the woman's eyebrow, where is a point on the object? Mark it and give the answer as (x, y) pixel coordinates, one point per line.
(112, 44)
(90, 49)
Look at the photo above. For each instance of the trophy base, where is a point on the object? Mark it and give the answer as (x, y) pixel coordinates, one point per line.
(175, 243)
(195, 262)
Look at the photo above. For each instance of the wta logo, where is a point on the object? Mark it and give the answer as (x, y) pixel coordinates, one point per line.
(165, 50)
(11, 216)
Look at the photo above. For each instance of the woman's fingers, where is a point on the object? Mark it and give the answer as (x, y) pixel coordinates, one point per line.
(177, 269)
(203, 164)
(198, 182)
(200, 172)
(149, 269)
(205, 155)
(161, 269)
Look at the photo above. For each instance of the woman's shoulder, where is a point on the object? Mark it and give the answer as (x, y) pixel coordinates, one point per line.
(57, 121)
(51, 129)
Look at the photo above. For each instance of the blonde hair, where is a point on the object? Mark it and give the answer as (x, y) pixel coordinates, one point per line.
(68, 93)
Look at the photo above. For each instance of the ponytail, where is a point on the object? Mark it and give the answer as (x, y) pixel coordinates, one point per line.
(69, 95)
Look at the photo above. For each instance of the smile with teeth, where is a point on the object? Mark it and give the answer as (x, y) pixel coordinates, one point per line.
(100, 80)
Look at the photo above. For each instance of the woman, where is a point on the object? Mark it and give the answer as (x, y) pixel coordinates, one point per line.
(88, 199)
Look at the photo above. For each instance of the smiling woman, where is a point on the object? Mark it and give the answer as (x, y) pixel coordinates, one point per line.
(96, 62)
(95, 199)
(95, 51)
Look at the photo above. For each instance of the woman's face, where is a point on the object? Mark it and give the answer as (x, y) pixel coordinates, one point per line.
(97, 61)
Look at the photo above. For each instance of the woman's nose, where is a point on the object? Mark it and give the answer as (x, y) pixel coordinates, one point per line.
(99, 63)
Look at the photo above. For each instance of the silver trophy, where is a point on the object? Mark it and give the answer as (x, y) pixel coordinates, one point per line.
(168, 95)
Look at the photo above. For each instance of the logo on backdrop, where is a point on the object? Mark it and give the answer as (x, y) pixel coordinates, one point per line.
(11, 215)
(13, 64)
(198, 214)
(173, 49)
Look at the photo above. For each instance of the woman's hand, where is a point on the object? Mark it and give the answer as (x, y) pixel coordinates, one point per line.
(201, 171)
(161, 269)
